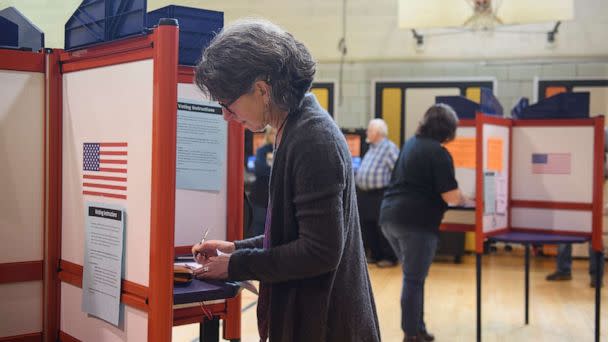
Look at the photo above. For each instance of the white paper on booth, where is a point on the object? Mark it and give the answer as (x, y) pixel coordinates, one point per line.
(489, 193)
(201, 145)
(501, 194)
(102, 271)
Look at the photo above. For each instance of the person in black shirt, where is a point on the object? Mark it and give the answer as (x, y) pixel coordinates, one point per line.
(422, 185)
(259, 191)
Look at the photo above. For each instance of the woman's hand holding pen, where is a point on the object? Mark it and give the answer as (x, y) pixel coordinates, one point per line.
(214, 255)
(207, 249)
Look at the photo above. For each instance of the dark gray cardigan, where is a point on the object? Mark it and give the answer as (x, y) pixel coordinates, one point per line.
(316, 264)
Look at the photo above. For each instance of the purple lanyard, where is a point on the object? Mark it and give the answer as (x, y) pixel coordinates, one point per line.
(267, 226)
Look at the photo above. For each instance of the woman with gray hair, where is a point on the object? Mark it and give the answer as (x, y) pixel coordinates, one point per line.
(314, 284)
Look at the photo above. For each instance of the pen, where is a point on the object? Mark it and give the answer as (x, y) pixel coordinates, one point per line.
(202, 241)
(205, 236)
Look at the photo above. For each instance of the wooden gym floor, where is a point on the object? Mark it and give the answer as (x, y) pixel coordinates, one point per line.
(559, 311)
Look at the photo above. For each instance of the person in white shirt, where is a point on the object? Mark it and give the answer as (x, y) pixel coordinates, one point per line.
(373, 176)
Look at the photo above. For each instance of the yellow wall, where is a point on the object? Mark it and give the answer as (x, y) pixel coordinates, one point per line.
(474, 94)
(391, 112)
(322, 95)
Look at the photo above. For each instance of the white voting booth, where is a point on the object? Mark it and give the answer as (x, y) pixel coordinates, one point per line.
(481, 160)
(492, 177)
(542, 176)
(101, 105)
(534, 181)
(87, 134)
(121, 97)
(22, 183)
(597, 88)
(554, 176)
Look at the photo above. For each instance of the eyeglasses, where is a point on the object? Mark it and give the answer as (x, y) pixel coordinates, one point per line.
(227, 105)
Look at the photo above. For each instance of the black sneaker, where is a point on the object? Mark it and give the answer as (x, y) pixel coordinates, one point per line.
(422, 337)
(426, 336)
(556, 276)
(592, 282)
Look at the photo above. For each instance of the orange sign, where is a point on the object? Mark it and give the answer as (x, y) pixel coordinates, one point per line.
(258, 141)
(550, 91)
(495, 154)
(354, 144)
(463, 152)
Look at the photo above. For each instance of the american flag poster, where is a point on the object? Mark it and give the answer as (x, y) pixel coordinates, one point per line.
(104, 169)
(551, 163)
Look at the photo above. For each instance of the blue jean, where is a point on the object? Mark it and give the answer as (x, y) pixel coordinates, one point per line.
(415, 250)
(564, 260)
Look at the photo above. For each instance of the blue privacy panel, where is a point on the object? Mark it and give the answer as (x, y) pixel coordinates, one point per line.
(560, 106)
(197, 27)
(9, 33)
(96, 21)
(24, 34)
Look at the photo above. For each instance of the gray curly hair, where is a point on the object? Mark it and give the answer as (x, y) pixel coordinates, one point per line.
(255, 49)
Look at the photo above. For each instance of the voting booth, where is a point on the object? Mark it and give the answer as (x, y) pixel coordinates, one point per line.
(126, 103)
(536, 181)
(481, 138)
(122, 187)
(594, 89)
(492, 176)
(533, 181)
(463, 151)
(555, 191)
(557, 178)
(540, 176)
(23, 181)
